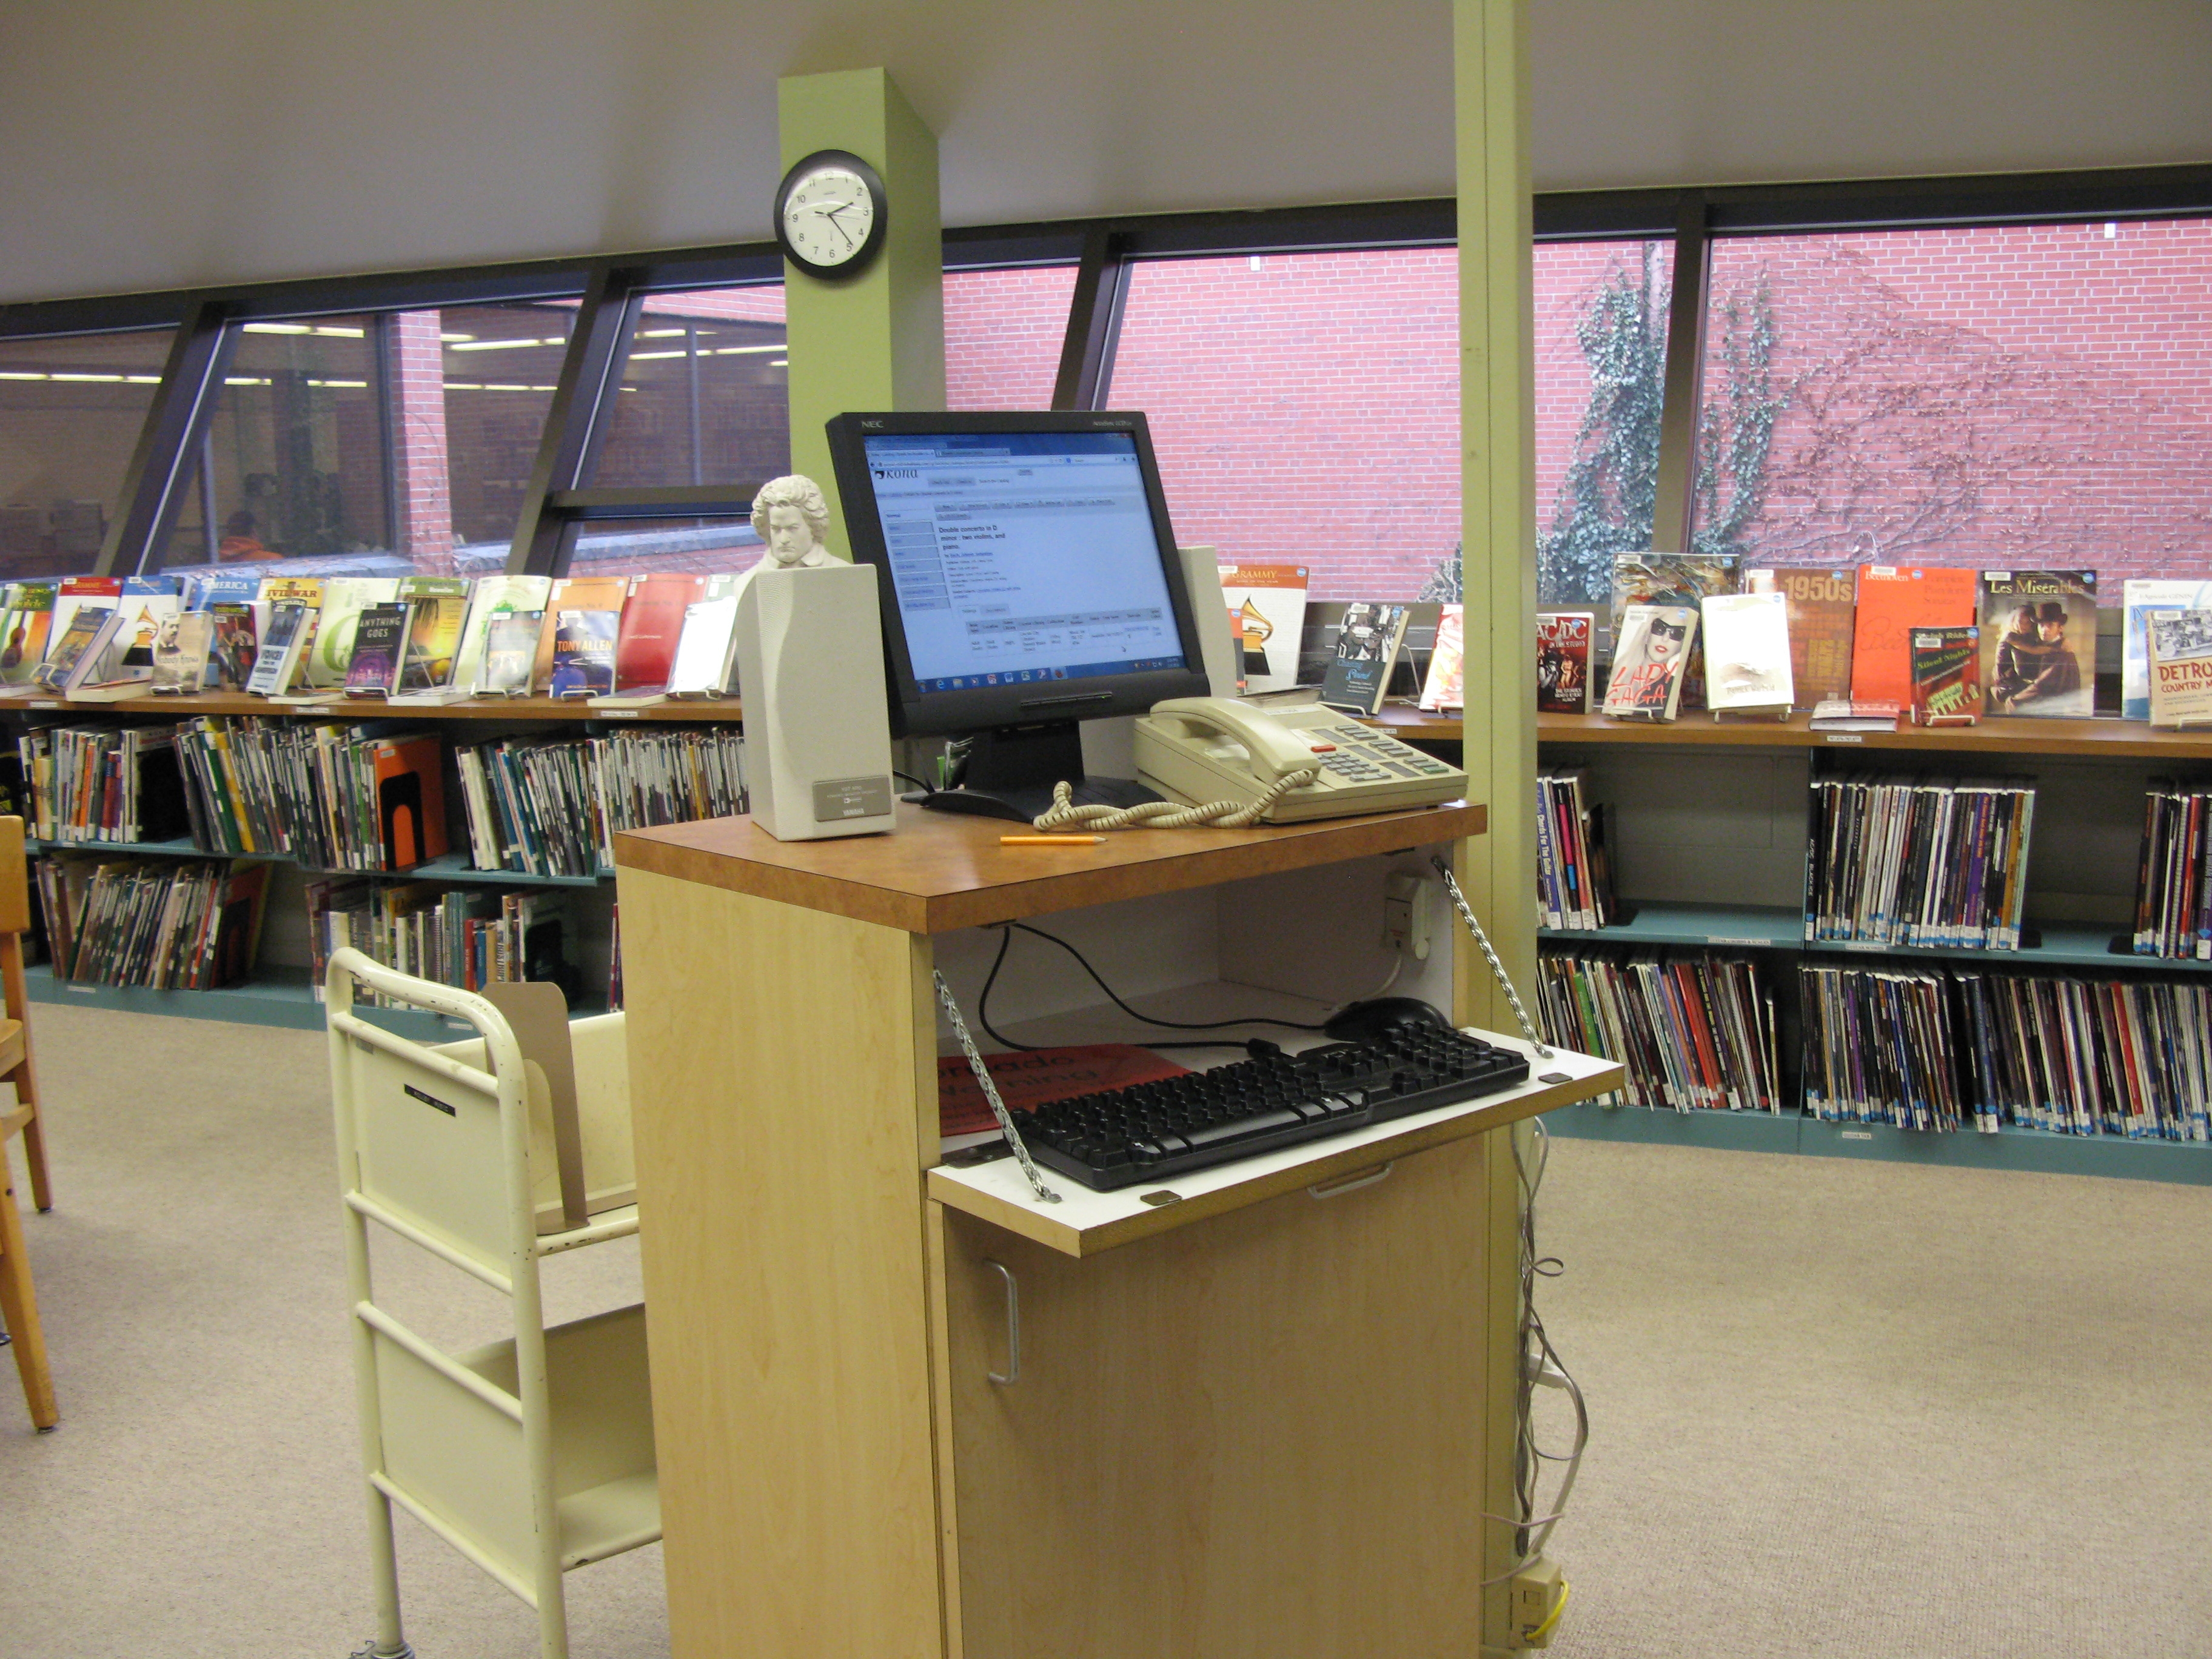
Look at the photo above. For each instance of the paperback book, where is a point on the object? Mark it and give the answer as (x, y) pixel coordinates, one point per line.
(344, 598)
(603, 593)
(651, 629)
(583, 653)
(1672, 579)
(180, 653)
(703, 655)
(1445, 687)
(236, 645)
(1650, 662)
(2139, 598)
(433, 639)
(1269, 602)
(2040, 641)
(1563, 660)
(1367, 649)
(23, 631)
(1893, 600)
(1822, 606)
(2180, 667)
(1946, 676)
(85, 624)
(1747, 653)
(147, 602)
(379, 633)
(496, 597)
(509, 653)
(291, 627)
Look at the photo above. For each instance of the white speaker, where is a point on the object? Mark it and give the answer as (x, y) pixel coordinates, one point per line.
(818, 728)
(1201, 574)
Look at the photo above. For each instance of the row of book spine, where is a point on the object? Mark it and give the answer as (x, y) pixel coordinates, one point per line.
(551, 807)
(1574, 876)
(100, 783)
(1917, 861)
(1691, 1032)
(331, 797)
(461, 936)
(1926, 1047)
(189, 926)
(2173, 882)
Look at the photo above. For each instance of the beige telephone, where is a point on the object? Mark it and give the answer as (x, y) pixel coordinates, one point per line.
(1199, 750)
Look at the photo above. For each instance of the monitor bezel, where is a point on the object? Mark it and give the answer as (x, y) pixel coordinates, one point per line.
(916, 713)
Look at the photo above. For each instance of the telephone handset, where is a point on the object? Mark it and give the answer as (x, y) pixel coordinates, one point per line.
(1200, 749)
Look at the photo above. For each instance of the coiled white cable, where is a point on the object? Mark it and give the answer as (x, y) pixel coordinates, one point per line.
(1064, 814)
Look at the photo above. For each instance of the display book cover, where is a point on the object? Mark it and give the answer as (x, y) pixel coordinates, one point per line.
(1026, 1081)
(1268, 602)
(1672, 579)
(574, 593)
(1367, 648)
(1650, 662)
(437, 609)
(1822, 607)
(583, 653)
(1445, 686)
(2180, 647)
(181, 651)
(1893, 600)
(1946, 676)
(24, 630)
(2038, 642)
(646, 640)
(379, 633)
(510, 651)
(345, 600)
(496, 597)
(704, 665)
(1748, 668)
(76, 645)
(1563, 660)
(2139, 597)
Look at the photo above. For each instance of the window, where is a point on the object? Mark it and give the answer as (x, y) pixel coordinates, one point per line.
(641, 547)
(2007, 396)
(704, 397)
(380, 443)
(1601, 357)
(1003, 334)
(71, 412)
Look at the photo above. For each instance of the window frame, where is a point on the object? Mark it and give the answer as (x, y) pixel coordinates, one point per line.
(611, 288)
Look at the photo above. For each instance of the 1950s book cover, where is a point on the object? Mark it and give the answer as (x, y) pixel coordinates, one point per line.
(2040, 641)
(1649, 663)
(1822, 606)
(1562, 661)
(1946, 676)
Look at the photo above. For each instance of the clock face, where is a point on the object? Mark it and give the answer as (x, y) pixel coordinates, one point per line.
(829, 213)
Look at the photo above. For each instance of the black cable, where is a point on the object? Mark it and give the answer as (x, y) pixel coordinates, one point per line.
(1170, 1024)
(983, 1001)
(924, 788)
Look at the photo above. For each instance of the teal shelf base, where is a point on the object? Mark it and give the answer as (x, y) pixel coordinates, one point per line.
(280, 997)
(455, 867)
(1747, 927)
(2033, 1151)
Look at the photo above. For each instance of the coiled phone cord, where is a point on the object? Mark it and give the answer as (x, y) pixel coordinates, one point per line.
(1064, 814)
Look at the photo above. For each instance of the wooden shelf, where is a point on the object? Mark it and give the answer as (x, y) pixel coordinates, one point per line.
(727, 710)
(942, 872)
(1084, 1223)
(2110, 738)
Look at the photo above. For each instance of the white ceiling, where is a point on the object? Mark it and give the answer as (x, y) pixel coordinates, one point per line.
(154, 146)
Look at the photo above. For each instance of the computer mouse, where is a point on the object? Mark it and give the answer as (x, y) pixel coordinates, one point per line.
(1363, 1022)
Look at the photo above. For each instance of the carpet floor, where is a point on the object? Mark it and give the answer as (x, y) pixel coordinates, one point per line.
(1839, 1408)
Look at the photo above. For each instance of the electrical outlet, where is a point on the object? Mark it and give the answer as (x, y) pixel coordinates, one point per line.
(1409, 913)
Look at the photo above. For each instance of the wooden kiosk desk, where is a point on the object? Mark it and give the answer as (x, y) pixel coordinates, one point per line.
(1262, 1418)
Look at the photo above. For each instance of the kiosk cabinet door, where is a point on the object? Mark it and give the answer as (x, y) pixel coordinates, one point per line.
(1259, 1433)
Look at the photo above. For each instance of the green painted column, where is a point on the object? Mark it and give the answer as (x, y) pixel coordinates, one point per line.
(875, 340)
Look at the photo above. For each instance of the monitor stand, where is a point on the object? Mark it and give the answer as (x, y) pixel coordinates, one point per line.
(1010, 771)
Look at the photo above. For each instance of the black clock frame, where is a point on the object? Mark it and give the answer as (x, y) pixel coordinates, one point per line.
(870, 246)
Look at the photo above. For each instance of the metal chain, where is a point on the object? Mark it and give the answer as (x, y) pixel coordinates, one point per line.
(1045, 1194)
(1489, 956)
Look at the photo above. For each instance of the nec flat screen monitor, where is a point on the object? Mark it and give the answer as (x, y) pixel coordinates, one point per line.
(1025, 566)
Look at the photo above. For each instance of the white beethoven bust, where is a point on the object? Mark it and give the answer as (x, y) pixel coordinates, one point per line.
(791, 516)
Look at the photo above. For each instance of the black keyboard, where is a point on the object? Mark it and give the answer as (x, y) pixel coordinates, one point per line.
(1154, 1131)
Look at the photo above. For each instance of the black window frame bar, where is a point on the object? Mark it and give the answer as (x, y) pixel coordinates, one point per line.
(1103, 251)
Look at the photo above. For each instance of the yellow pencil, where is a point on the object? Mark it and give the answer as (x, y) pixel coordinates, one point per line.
(1050, 841)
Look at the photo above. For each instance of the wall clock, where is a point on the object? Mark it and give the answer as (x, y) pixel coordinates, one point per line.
(831, 213)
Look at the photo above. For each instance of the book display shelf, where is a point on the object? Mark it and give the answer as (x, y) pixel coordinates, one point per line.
(280, 991)
(1708, 824)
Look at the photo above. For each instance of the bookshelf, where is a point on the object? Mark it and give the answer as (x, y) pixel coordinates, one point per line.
(279, 992)
(1710, 817)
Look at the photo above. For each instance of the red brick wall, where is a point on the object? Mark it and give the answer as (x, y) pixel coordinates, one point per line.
(1003, 332)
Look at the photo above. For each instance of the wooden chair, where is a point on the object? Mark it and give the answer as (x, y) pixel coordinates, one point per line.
(532, 1456)
(18, 1306)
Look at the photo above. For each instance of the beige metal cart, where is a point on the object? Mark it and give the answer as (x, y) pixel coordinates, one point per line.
(534, 1456)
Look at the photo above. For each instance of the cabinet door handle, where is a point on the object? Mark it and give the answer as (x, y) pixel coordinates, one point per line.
(1012, 1374)
(1352, 1183)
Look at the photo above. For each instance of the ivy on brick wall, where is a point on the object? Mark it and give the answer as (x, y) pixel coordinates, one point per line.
(1605, 503)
